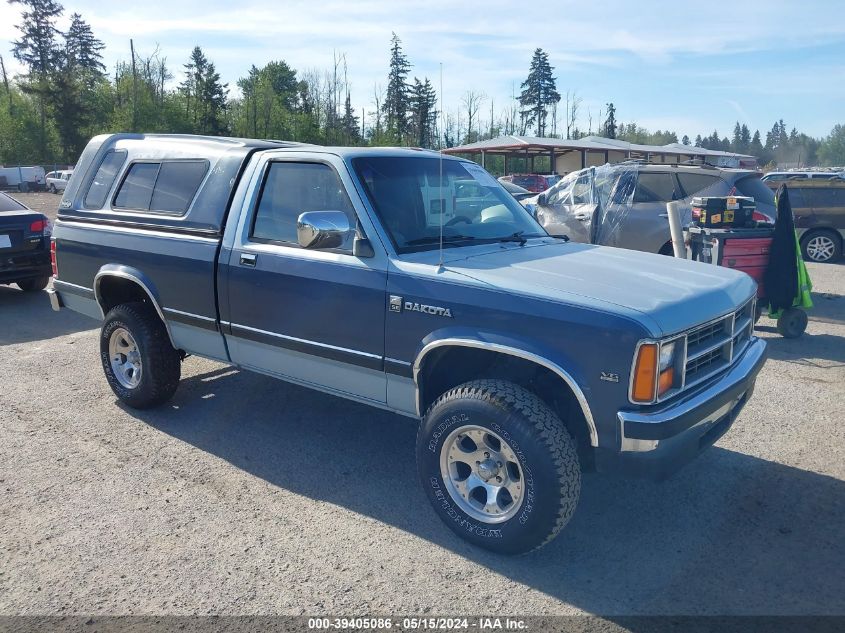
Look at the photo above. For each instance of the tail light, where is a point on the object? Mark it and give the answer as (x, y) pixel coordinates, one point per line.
(53, 258)
(38, 226)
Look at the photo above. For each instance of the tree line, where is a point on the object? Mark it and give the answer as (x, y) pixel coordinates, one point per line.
(66, 95)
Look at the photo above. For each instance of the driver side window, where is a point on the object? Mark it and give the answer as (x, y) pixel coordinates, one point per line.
(291, 189)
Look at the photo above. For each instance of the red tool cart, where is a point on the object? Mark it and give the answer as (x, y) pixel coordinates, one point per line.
(738, 243)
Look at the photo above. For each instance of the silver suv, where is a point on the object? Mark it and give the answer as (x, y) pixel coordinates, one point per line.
(632, 198)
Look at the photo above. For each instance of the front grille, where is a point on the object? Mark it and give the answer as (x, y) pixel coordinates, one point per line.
(712, 347)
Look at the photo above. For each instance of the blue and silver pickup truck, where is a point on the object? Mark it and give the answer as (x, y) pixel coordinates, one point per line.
(388, 277)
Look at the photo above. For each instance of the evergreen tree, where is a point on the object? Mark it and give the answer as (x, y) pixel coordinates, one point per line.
(205, 95)
(82, 49)
(249, 87)
(213, 103)
(349, 124)
(38, 47)
(744, 138)
(609, 126)
(396, 98)
(736, 140)
(699, 142)
(685, 140)
(539, 92)
(423, 110)
(39, 51)
(755, 148)
(191, 87)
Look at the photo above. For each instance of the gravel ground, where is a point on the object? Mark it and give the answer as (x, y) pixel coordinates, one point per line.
(245, 495)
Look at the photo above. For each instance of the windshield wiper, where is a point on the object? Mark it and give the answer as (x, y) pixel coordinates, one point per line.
(515, 237)
(435, 239)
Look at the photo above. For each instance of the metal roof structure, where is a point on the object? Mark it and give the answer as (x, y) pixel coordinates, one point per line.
(529, 146)
(589, 143)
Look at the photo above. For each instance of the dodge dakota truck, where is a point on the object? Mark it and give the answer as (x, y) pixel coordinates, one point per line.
(364, 273)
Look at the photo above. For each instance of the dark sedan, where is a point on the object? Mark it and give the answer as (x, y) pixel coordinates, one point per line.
(24, 246)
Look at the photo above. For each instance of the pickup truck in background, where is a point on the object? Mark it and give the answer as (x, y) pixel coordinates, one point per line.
(527, 358)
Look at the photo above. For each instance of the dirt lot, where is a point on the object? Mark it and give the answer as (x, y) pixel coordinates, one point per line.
(246, 495)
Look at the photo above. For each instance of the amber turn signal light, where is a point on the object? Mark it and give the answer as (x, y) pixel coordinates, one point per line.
(645, 374)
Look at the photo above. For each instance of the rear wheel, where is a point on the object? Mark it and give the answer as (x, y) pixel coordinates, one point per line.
(33, 285)
(821, 246)
(498, 466)
(140, 364)
(52, 188)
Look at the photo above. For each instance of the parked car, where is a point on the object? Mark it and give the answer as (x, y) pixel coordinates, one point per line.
(819, 209)
(534, 183)
(57, 180)
(634, 202)
(24, 246)
(774, 179)
(526, 357)
(519, 193)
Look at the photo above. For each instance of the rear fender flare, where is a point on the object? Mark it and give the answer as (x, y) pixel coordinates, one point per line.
(139, 279)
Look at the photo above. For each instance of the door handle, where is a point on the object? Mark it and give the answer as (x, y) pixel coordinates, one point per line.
(664, 215)
(247, 259)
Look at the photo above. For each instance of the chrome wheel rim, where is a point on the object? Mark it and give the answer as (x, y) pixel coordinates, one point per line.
(820, 248)
(125, 359)
(482, 474)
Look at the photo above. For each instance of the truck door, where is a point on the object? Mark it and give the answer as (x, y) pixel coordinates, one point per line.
(310, 316)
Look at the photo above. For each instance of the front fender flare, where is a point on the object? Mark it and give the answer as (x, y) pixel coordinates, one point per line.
(503, 346)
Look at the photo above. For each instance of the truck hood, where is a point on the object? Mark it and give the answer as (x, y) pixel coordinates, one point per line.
(668, 295)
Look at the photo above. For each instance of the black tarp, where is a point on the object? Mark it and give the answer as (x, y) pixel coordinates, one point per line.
(780, 280)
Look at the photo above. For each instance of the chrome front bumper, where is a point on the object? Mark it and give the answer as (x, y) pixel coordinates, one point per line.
(658, 441)
(710, 404)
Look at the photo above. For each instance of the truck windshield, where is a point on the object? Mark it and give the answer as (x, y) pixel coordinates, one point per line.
(412, 200)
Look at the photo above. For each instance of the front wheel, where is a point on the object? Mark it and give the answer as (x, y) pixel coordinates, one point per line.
(498, 466)
(140, 364)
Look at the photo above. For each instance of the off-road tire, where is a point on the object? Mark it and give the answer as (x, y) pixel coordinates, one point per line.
(160, 362)
(546, 454)
(33, 285)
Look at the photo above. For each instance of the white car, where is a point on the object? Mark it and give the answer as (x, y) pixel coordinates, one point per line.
(57, 180)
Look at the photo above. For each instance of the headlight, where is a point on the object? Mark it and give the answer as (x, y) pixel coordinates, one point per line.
(667, 355)
(654, 372)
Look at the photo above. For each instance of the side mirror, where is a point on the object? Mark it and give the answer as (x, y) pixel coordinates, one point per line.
(322, 229)
(542, 199)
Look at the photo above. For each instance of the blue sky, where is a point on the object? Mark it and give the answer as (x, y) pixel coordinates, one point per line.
(687, 66)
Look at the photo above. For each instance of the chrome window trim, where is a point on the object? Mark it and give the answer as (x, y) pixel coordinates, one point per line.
(125, 275)
(140, 228)
(512, 351)
(685, 357)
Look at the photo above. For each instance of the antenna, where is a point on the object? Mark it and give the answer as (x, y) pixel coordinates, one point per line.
(440, 181)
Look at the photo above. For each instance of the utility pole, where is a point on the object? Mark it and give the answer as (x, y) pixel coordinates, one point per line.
(6, 83)
(134, 89)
